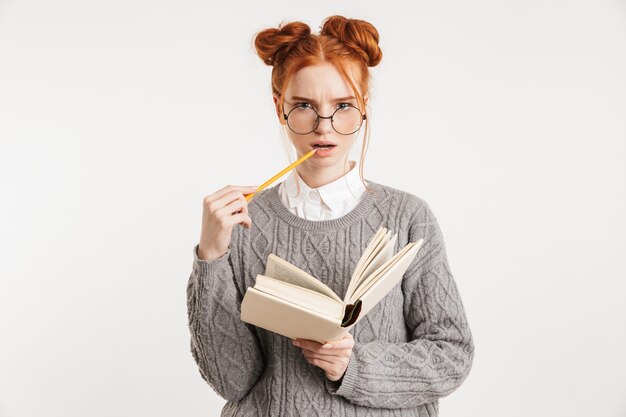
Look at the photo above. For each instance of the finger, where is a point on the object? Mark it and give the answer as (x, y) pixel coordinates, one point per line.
(338, 353)
(321, 362)
(326, 363)
(234, 219)
(244, 189)
(214, 205)
(230, 198)
(346, 342)
(308, 344)
(244, 209)
(234, 207)
(339, 344)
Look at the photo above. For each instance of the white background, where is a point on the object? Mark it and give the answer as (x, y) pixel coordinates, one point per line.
(118, 117)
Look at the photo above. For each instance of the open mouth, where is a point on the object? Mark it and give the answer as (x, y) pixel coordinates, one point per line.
(318, 146)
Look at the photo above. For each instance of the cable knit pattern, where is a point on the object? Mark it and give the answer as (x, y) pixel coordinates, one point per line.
(411, 349)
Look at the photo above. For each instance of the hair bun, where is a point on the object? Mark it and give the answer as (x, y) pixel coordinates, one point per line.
(358, 34)
(272, 45)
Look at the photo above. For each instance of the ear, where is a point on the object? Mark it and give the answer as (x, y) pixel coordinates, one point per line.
(279, 112)
(365, 99)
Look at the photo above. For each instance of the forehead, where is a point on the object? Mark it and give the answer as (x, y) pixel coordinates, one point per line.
(323, 81)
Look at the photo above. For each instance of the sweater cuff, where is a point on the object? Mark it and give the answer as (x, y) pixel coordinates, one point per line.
(345, 386)
(207, 267)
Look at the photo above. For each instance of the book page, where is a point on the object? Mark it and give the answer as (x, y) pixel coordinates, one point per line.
(393, 274)
(383, 256)
(303, 297)
(376, 242)
(376, 275)
(280, 269)
(382, 272)
(374, 247)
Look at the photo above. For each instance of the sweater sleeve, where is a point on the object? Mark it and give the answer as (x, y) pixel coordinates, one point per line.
(226, 350)
(439, 354)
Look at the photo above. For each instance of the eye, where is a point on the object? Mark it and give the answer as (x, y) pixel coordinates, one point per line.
(302, 105)
(344, 106)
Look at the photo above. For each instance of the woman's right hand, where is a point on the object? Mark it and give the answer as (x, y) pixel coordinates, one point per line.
(221, 211)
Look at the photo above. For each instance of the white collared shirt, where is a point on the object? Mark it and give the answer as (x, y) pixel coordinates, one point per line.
(330, 201)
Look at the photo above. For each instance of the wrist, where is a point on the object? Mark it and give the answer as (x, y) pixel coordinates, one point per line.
(208, 254)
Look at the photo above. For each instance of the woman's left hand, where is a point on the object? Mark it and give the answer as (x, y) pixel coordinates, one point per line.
(333, 360)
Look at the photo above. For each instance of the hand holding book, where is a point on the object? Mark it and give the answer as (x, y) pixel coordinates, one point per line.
(332, 358)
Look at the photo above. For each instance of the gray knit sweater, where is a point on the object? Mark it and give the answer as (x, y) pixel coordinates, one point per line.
(411, 349)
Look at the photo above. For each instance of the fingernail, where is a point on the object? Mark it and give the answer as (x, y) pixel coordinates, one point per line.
(327, 345)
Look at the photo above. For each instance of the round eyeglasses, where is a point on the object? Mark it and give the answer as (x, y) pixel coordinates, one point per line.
(346, 120)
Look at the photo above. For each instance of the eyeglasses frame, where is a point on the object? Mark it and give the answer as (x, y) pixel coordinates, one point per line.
(317, 121)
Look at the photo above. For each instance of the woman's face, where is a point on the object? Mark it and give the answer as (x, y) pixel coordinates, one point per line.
(322, 88)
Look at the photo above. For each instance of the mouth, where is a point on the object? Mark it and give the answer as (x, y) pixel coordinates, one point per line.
(321, 145)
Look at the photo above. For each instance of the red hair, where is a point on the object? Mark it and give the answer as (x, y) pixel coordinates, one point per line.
(348, 44)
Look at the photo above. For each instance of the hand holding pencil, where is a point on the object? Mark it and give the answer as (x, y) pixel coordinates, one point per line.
(225, 208)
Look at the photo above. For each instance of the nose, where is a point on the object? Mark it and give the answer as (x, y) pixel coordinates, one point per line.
(324, 126)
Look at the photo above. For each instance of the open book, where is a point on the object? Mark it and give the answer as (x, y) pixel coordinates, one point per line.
(288, 301)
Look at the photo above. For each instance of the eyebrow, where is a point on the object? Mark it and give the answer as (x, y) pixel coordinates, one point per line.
(315, 102)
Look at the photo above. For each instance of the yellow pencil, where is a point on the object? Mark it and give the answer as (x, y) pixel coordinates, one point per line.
(281, 173)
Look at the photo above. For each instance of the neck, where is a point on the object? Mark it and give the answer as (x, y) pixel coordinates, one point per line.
(316, 177)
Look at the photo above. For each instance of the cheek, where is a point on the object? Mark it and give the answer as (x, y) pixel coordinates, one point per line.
(296, 141)
(301, 142)
(301, 145)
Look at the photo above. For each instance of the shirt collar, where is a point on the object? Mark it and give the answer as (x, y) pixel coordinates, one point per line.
(333, 194)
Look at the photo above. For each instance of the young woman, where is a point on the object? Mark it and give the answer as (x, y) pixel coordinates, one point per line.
(411, 349)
